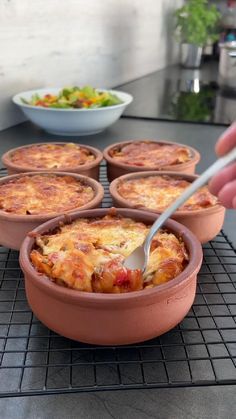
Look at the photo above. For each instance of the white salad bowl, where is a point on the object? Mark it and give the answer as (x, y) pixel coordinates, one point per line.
(71, 122)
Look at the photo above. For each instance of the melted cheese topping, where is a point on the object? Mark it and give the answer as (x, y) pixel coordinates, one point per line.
(87, 255)
(43, 194)
(158, 192)
(150, 154)
(52, 156)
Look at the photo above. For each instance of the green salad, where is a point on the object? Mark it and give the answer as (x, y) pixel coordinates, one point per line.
(75, 97)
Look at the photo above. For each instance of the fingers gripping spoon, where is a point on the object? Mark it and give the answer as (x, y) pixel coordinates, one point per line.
(138, 259)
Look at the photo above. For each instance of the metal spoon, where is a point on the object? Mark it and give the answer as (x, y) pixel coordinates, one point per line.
(138, 259)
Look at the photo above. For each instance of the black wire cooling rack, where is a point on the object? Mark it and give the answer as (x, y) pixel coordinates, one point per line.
(200, 351)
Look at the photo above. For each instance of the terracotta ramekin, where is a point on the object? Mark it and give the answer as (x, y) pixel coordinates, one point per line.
(14, 228)
(205, 223)
(90, 169)
(116, 169)
(112, 319)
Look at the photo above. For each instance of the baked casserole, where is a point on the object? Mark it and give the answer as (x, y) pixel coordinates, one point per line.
(43, 193)
(88, 254)
(52, 156)
(150, 154)
(159, 191)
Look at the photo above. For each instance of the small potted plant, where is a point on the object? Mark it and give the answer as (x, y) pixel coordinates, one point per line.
(197, 26)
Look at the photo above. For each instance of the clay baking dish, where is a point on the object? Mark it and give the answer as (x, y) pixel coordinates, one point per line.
(112, 319)
(90, 169)
(116, 168)
(205, 223)
(14, 227)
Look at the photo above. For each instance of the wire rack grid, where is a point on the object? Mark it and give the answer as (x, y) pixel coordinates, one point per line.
(200, 351)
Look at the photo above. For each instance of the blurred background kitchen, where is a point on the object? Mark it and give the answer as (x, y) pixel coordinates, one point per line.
(107, 43)
(174, 75)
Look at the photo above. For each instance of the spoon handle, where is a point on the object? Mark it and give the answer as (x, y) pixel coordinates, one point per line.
(212, 170)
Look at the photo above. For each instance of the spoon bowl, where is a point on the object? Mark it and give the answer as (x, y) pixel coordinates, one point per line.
(138, 259)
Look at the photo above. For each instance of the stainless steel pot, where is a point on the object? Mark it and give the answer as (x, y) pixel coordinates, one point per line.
(191, 55)
(227, 66)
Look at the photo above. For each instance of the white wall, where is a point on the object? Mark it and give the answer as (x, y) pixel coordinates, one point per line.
(62, 42)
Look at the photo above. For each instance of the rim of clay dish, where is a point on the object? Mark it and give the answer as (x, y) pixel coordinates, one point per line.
(6, 159)
(110, 300)
(95, 201)
(195, 156)
(137, 175)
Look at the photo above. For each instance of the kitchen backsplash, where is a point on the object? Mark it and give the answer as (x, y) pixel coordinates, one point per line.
(99, 42)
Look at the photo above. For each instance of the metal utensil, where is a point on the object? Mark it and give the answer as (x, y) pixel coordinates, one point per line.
(138, 259)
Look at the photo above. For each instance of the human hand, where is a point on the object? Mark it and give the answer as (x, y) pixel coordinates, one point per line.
(223, 184)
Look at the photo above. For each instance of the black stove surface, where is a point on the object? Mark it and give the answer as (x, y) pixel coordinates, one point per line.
(180, 99)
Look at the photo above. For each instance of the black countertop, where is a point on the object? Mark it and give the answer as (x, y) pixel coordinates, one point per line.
(180, 403)
(178, 94)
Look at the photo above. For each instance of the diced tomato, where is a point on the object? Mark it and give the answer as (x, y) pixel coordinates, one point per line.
(88, 102)
(122, 278)
(41, 103)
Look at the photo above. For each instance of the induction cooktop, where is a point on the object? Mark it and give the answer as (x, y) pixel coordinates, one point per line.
(183, 100)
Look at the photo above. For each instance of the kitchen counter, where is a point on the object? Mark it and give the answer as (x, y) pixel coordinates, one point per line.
(174, 403)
